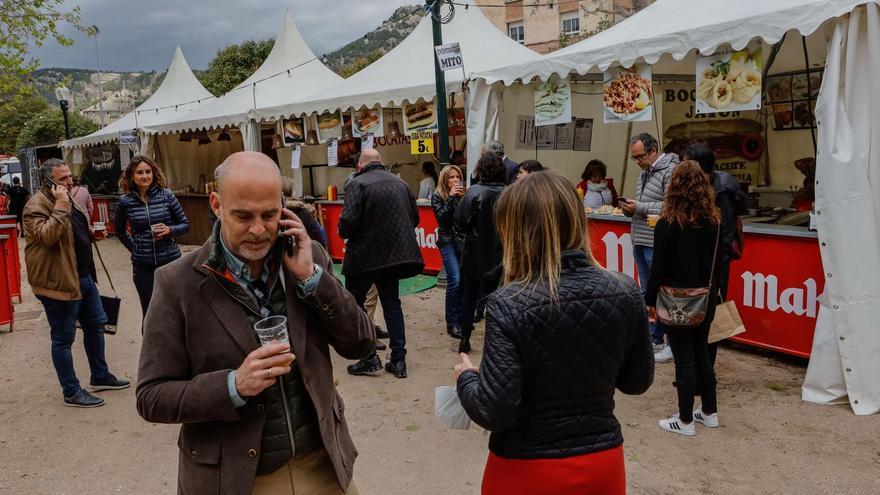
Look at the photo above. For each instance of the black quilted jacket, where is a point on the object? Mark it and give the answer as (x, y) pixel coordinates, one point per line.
(475, 216)
(549, 370)
(161, 207)
(378, 221)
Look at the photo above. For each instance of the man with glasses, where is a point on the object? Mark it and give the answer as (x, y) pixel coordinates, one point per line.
(650, 190)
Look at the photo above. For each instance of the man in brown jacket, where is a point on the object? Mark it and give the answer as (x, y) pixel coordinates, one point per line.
(58, 256)
(254, 419)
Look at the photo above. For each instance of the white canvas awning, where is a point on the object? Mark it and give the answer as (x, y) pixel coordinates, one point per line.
(674, 28)
(180, 93)
(406, 73)
(290, 73)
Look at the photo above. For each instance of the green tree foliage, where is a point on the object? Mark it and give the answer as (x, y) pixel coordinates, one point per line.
(234, 64)
(14, 115)
(359, 64)
(47, 127)
(24, 23)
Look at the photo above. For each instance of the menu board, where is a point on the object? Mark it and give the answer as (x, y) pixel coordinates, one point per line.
(525, 132)
(565, 136)
(583, 134)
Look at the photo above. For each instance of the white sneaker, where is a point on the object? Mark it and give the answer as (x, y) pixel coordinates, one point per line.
(663, 355)
(708, 420)
(675, 425)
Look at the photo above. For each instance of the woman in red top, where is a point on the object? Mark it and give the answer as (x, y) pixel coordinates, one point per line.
(562, 335)
(4, 200)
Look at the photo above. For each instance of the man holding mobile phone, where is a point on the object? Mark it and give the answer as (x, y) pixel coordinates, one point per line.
(61, 274)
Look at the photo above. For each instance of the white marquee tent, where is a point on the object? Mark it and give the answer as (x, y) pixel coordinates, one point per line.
(406, 73)
(290, 73)
(179, 94)
(846, 351)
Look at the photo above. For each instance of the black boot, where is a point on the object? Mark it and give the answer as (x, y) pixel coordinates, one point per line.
(366, 366)
(396, 368)
(464, 345)
(453, 331)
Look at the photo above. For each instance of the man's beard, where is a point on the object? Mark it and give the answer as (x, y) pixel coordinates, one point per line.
(252, 254)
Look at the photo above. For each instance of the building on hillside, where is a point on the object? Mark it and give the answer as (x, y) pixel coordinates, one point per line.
(116, 105)
(546, 26)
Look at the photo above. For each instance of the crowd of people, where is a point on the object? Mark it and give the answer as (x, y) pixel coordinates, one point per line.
(562, 334)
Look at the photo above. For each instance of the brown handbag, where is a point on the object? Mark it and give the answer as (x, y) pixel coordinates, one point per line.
(686, 307)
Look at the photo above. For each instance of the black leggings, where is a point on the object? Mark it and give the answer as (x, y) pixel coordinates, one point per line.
(692, 366)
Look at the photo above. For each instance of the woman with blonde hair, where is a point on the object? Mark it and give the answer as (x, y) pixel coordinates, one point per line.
(686, 256)
(155, 217)
(450, 239)
(562, 335)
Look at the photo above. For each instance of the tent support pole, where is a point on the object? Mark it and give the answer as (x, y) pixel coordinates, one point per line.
(440, 79)
(809, 95)
(629, 133)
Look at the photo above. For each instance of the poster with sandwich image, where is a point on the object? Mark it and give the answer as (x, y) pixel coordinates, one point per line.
(628, 94)
(729, 81)
(419, 116)
(367, 121)
(329, 126)
(553, 102)
(294, 131)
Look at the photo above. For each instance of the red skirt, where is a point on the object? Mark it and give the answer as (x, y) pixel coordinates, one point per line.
(597, 473)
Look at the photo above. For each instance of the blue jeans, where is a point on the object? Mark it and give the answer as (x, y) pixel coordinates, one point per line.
(644, 256)
(62, 316)
(450, 256)
(389, 296)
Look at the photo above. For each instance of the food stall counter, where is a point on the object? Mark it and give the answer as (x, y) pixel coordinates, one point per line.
(196, 208)
(776, 285)
(425, 233)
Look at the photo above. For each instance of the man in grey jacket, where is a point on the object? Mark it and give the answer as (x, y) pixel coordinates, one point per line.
(650, 190)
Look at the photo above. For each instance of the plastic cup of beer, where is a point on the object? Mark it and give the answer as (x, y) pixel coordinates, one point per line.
(272, 330)
(652, 220)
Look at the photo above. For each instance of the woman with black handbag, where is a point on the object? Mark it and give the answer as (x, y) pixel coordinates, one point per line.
(155, 217)
(682, 291)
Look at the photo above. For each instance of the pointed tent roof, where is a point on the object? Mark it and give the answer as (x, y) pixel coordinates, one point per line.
(290, 72)
(406, 73)
(180, 92)
(675, 28)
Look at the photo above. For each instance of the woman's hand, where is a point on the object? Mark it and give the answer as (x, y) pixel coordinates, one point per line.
(457, 190)
(464, 365)
(652, 314)
(161, 231)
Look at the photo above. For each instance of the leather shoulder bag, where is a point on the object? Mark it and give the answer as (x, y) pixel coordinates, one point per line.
(686, 307)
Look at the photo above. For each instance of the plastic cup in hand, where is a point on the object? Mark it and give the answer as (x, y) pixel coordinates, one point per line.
(272, 330)
(153, 229)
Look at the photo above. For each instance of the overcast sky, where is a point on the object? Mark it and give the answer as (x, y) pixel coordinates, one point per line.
(141, 35)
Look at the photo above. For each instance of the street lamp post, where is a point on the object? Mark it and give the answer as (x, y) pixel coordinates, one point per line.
(93, 31)
(63, 96)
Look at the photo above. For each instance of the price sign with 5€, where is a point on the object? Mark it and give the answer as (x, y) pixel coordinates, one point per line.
(421, 142)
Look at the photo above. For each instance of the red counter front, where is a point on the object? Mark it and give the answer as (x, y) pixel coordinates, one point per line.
(426, 234)
(776, 285)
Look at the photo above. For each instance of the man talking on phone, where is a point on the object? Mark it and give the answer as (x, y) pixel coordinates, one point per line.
(61, 274)
(255, 419)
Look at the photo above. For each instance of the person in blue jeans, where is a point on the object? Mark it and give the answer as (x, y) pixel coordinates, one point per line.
(450, 239)
(651, 188)
(58, 256)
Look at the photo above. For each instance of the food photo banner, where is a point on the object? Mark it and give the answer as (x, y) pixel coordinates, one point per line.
(419, 117)
(553, 103)
(329, 126)
(729, 81)
(367, 121)
(294, 131)
(627, 94)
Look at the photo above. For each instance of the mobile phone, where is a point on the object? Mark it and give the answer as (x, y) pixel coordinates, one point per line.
(622, 199)
(49, 183)
(288, 241)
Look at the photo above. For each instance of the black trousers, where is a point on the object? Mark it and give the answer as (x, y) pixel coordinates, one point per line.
(389, 295)
(692, 369)
(143, 273)
(473, 290)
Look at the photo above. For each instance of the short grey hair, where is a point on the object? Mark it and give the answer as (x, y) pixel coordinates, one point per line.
(48, 166)
(648, 141)
(495, 147)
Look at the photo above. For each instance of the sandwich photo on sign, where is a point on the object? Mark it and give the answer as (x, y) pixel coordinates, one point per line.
(367, 121)
(294, 131)
(329, 126)
(419, 117)
(553, 103)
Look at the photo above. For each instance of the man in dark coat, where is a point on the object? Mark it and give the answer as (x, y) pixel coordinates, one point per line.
(497, 148)
(252, 416)
(378, 222)
(18, 196)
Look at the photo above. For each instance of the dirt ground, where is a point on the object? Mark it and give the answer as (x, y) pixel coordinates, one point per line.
(770, 441)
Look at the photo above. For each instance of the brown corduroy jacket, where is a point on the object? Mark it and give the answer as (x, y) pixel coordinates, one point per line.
(195, 333)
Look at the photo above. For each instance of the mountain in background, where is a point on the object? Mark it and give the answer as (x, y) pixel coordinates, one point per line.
(124, 91)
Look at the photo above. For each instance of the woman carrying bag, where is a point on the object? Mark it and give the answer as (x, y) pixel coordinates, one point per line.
(682, 291)
(155, 217)
(562, 335)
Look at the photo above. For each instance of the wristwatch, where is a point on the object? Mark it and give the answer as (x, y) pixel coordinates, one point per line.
(302, 284)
